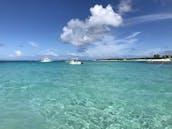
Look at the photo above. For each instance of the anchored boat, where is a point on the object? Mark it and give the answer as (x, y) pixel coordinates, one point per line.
(75, 62)
(46, 59)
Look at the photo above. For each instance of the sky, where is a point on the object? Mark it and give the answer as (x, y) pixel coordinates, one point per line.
(87, 29)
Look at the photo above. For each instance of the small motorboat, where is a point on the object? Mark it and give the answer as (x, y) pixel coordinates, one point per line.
(75, 62)
(46, 59)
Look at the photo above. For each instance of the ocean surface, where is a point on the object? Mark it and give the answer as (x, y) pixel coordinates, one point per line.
(95, 95)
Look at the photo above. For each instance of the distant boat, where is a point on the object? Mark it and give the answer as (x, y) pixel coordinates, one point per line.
(75, 62)
(46, 59)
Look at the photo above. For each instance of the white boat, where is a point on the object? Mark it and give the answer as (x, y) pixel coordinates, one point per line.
(46, 59)
(75, 62)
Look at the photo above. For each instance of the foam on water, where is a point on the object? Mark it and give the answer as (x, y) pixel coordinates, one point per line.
(96, 95)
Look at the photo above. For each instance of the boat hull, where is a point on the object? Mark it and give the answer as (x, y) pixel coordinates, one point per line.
(75, 62)
(45, 61)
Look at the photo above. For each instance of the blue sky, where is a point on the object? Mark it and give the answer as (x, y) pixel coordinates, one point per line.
(88, 29)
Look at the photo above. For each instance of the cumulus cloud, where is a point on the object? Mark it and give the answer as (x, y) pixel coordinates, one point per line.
(125, 6)
(33, 44)
(93, 36)
(104, 16)
(17, 53)
(92, 29)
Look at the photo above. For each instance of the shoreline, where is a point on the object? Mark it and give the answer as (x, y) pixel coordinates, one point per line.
(166, 60)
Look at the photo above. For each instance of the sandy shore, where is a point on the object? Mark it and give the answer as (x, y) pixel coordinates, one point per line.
(159, 60)
(142, 60)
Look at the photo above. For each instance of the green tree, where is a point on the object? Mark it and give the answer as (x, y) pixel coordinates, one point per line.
(166, 56)
(156, 56)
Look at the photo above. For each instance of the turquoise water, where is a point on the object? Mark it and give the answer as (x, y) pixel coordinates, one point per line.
(95, 95)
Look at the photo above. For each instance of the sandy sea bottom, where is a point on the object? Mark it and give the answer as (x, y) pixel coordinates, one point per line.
(95, 95)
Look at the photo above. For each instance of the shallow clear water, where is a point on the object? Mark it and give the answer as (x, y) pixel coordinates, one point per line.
(95, 95)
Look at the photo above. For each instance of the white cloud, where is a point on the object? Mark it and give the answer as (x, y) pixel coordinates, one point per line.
(106, 51)
(18, 53)
(92, 29)
(109, 47)
(133, 35)
(94, 33)
(148, 18)
(104, 16)
(33, 44)
(125, 6)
